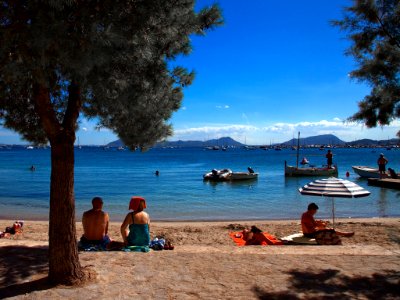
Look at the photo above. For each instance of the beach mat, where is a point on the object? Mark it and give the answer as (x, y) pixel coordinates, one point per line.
(299, 239)
(237, 238)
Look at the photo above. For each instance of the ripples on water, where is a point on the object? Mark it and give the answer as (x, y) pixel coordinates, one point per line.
(179, 192)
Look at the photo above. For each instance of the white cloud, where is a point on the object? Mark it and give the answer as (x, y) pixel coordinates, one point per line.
(222, 106)
(237, 132)
(281, 132)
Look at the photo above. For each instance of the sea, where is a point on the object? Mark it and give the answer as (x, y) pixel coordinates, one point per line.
(179, 193)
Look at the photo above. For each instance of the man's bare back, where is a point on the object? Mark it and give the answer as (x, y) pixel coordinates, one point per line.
(95, 224)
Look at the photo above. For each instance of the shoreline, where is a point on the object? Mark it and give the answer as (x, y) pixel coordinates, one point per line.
(216, 220)
(207, 264)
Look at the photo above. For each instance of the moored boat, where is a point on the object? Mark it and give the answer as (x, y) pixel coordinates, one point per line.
(217, 175)
(228, 175)
(293, 171)
(367, 172)
(242, 176)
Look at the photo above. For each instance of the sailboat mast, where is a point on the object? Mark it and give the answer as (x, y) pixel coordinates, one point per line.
(298, 148)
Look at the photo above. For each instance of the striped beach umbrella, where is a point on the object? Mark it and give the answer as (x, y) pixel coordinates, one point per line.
(334, 187)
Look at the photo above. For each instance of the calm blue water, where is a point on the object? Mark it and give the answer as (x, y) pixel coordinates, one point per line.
(179, 193)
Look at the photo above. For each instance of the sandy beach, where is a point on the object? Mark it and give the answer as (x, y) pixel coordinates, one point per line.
(206, 264)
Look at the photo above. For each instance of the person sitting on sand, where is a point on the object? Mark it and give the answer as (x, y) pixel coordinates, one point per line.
(311, 227)
(254, 236)
(138, 221)
(95, 225)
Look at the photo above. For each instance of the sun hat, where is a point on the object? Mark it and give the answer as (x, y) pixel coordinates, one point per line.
(135, 202)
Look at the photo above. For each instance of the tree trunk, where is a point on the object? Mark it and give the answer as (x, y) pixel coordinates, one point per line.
(64, 265)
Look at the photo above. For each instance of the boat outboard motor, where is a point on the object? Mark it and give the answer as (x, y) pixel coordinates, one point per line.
(250, 170)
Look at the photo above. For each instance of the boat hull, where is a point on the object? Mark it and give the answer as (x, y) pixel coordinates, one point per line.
(292, 171)
(217, 175)
(367, 172)
(242, 176)
(228, 175)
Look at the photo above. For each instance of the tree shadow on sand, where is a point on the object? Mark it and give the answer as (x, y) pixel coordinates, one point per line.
(23, 270)
(331, 284)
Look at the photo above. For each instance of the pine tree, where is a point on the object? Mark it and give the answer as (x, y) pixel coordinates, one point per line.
(107, 60)
(374, 29)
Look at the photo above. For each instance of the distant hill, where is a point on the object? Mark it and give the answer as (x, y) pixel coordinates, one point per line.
(224, 141)
(316, 141)
(319, 140)
(325, 139)
(369, 142)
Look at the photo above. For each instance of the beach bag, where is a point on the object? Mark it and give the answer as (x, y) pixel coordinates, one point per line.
(327, 237)
(157, 244)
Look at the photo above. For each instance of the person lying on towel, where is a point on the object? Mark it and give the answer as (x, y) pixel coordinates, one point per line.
(138, 221)
(254, 236)
(95, 226)
(311, 227)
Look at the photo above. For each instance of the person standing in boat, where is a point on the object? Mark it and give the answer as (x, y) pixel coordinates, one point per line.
(329, 157)
(382, 161)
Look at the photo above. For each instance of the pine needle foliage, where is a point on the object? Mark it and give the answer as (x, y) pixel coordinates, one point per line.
(115, 52)
(373, 27)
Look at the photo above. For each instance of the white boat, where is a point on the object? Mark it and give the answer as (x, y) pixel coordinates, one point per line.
(242, 176)
(367, 172)
(228, 175)
(217, 175)
(293, 171)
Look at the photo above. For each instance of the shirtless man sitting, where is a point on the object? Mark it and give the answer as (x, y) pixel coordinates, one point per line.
(311, 227)
(95, 225)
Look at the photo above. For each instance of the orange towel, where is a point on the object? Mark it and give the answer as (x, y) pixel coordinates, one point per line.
(237, 237)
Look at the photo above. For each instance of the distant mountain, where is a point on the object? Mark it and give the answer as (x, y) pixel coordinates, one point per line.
(224, 141)
(319, 140)
(117, 143)
(369, 142)
(365, 142)
(325, 139)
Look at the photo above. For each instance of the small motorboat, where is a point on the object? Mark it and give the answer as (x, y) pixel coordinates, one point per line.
(242, 176)
(370, 172)
(228, 175)
(217, 175)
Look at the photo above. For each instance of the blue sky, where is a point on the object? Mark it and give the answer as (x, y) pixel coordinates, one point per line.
(274, 68)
